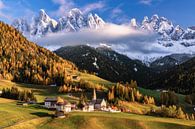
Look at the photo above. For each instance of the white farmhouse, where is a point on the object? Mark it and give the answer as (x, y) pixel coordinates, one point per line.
(88, 107)
(50, 103)
(63, 106)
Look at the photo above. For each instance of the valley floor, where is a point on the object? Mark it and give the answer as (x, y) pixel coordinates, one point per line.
(13, 116)
(24, 117)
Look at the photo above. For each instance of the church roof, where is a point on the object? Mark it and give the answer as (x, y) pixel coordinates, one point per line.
(97, 101)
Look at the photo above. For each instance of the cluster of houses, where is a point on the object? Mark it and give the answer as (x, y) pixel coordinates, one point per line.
(63, 106)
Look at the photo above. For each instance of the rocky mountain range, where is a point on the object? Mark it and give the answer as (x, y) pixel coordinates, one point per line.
(42, 24)
(168, 32)
(167, 62)
(75, 20)
(124, 69)
(169, 35)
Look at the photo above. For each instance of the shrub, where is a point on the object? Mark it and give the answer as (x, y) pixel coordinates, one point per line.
(14, 93)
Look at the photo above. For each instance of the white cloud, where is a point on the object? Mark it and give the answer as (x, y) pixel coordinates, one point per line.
(64, 7)
(93, 6)
(110, 33)
(2, 5)
(116, 12)
(4, 16)
(118, 15)
(117, 36)
(122, 38)
(146, 2)
(149, 2)
(19, 9)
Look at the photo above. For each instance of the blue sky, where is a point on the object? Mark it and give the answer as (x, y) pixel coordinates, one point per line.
(118, 11)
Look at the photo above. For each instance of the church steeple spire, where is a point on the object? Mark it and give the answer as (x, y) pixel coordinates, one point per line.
(94, 94)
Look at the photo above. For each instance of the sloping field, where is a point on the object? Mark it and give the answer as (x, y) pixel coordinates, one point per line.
(12, 114)
(116, 121)
(31, 117)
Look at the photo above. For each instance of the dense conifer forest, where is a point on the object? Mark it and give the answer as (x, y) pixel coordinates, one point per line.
(24, 61)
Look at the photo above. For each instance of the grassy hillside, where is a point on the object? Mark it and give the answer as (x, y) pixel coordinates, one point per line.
(12, 113)
(116, 121)
(46, 91)
(17, 117)
(42, 91)
(95, 79)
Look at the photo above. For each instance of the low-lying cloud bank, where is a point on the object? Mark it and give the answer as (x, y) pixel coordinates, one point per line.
(112, 34)
(122, 38)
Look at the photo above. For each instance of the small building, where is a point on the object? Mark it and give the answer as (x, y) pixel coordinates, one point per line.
(63, 105)
(88, 107)
(99, 104)
(50, 103)
(73, 106)
(91, 107)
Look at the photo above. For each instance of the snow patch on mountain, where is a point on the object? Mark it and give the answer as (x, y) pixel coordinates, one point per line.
(95, 63)
(135, 69)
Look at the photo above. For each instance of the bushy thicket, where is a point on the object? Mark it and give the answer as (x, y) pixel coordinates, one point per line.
(128, 92)
(24, 61)
(69, 88)
(82, 101)
(172, 112)
(169, 98)
(14, 93)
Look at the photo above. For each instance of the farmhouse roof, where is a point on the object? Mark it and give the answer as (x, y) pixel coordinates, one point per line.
(50, 99)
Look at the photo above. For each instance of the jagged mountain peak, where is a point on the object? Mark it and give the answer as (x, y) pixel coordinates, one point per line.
(99, 20)
(74, 21)
(133, 23)
(155, 17)
(75, 12)
(21, 25)
(146, 19)
(163, 19)
(191, 29)
(43, 16)
(177, 27)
